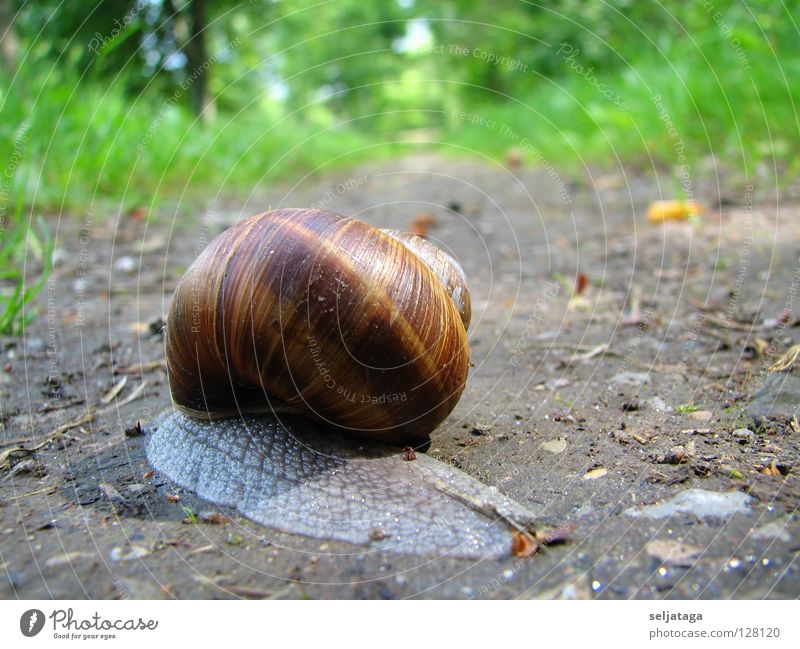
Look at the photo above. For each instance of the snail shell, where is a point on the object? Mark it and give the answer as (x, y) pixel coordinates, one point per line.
(362, 330)
(326, 314)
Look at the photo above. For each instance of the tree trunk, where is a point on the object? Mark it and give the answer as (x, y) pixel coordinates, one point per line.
(9, 43)
(196, 59)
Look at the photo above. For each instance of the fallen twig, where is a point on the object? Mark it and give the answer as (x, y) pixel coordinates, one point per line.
(585, 356)
(786, 361)
(733, 324)
(140, 368)
(85, 418)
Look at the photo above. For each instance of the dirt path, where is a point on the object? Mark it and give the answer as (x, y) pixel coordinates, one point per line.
(585, 408)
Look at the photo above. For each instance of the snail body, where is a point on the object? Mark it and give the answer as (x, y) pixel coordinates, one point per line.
(362, 335)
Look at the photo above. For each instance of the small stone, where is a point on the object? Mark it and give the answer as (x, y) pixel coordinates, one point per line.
(773, 531)
(778, 399)
(658, 404)
(131, 553)
(554, 384)
(125, 265)
(630, 378)
(79, 285)
(480, 429)
(28, 466)
(555, 446)
(134, 431)
(744, 435)
(67, 558)
(700, 503)
(110, 492)
(701, 415)
(675, 455)
(156, 327)
(34, 345)
(136, 488)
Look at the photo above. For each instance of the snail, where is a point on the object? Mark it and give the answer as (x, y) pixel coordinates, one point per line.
(305, 350)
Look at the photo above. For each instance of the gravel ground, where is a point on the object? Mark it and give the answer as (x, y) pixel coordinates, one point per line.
(615, 361)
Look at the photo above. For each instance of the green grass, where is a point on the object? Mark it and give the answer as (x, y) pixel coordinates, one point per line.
(77, 145)
(742, 116)
(91, 141)
(22, 246)
(191, 517)
(88, 143)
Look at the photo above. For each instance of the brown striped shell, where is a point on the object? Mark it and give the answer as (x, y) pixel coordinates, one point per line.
(325, 314)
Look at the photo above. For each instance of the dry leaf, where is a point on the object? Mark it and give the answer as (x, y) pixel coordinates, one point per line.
(581, 284)
(214, 518)
(786, 361)
(421, 224)
(594, 474)
(523, 545)
(659, 211)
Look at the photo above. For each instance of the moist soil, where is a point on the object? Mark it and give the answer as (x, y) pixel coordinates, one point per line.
(615, 364)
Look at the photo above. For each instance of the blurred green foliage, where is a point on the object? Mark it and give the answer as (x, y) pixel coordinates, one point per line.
(136, 99)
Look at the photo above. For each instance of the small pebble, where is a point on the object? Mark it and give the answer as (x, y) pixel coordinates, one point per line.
(556, 446)
(776, 530)
(630, 378)
(67, 559)
(128, 553)
(658, 404)
(125, 265)
(136, 488)
(554, 384)
(700, 503)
